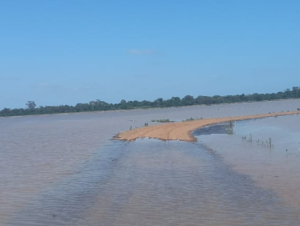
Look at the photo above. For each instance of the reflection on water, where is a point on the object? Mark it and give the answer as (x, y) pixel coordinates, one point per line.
(222, 128)
(65, 170)
(274, 167)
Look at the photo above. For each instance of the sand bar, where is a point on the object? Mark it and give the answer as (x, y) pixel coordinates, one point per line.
(183, 130)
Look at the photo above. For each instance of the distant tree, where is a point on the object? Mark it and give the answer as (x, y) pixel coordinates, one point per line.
(92, 104)
(31, 105)
(188, 100)
(174, 102)
(158, 102)
(123, 104)
(5, 112)
(200, 100)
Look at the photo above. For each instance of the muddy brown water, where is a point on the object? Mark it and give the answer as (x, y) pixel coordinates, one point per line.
(274, 167)
(65, 170)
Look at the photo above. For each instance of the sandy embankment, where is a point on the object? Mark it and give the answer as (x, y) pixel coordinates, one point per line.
(182, 130)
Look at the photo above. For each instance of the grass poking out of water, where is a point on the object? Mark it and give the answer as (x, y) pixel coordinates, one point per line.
(161, 120)
(268, 143)
(191, 119)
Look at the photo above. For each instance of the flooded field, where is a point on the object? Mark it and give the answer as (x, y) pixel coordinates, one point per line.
(248, 151)
(66, 170)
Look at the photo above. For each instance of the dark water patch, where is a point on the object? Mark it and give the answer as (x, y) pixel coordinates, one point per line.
(222, 128)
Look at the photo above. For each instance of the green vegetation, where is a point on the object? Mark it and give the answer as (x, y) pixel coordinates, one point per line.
(268, 143)
(191, 119)
(188, 100)
(161, 120)
(230, 128)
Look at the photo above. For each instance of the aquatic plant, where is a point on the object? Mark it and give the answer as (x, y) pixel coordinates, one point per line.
(250, 138)
(230, 128)
(192, 119)
(268, 143)
(161, 120)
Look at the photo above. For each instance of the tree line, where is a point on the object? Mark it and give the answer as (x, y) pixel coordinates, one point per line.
(188, 100)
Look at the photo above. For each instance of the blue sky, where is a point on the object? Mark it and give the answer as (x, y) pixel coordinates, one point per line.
(69, 51)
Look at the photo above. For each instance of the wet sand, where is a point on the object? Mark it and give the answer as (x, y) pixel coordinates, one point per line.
(182, 130)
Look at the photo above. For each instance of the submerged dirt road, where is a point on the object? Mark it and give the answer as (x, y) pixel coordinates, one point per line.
(182, 130)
